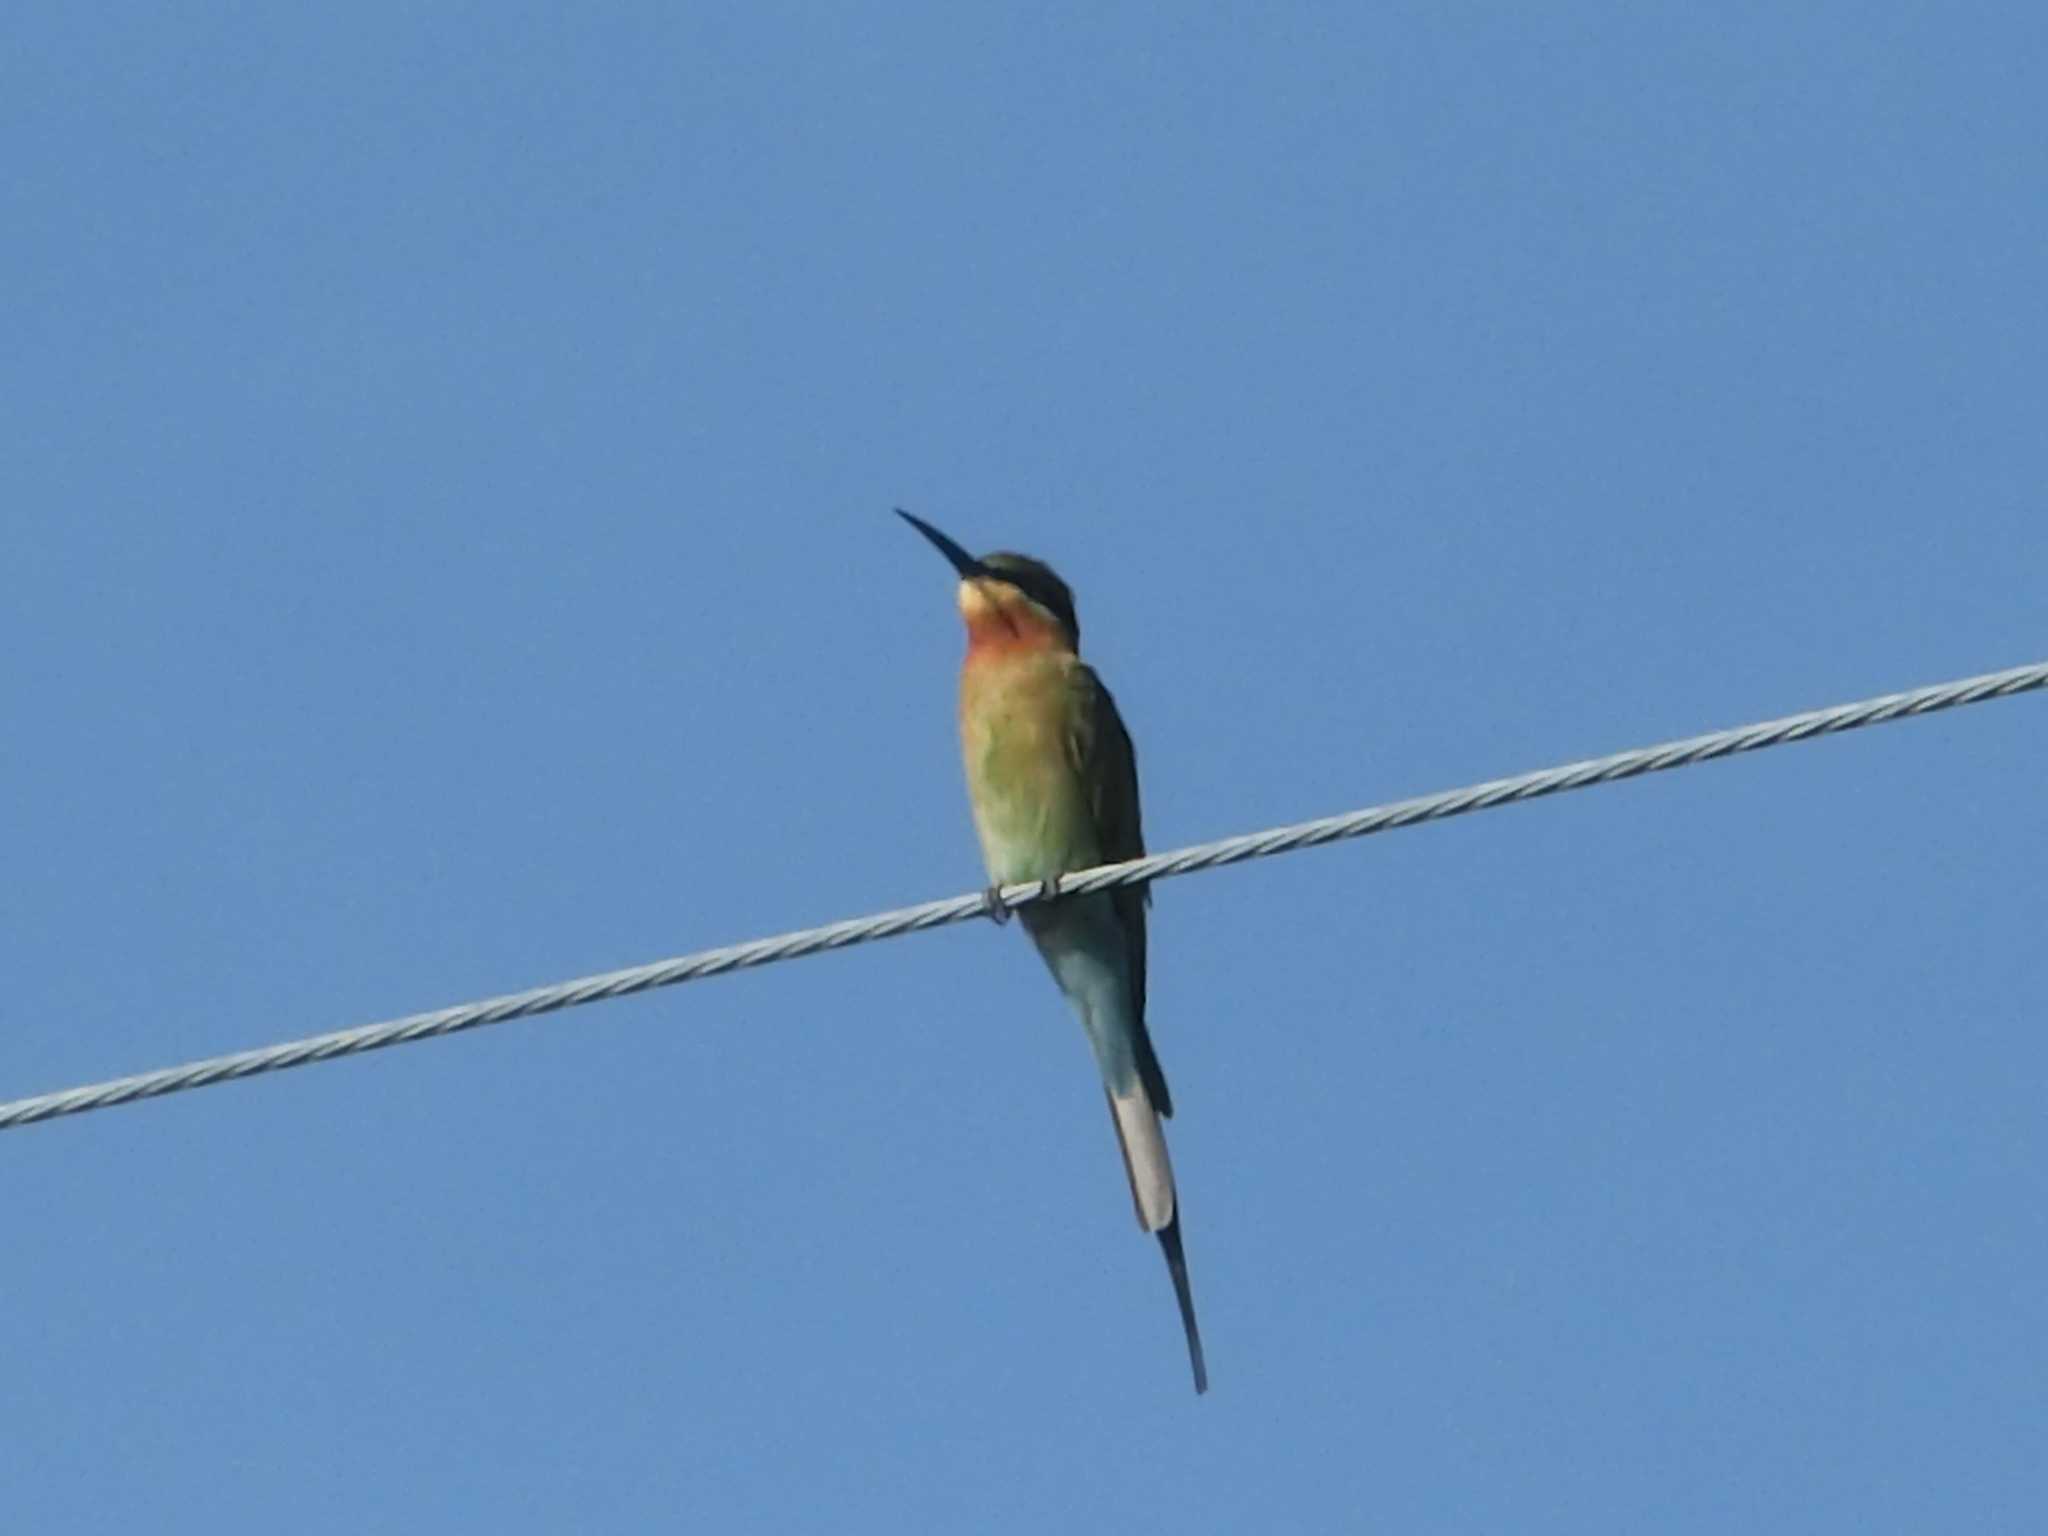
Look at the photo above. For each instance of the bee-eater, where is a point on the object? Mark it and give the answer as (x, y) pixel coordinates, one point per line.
(1054, 786)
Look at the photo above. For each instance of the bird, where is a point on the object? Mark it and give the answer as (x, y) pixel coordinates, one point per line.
(1052, 780)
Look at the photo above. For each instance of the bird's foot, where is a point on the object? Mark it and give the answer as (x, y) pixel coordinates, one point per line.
(992, 903)
(1049, 888)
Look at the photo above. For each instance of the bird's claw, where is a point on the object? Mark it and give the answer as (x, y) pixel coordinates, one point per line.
(999, 910)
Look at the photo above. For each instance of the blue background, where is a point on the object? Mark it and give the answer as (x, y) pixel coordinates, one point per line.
(444, 484)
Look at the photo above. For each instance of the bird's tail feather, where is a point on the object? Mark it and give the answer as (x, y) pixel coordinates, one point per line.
(1145, 1161)
(1177, 1266)
(1143, 1143)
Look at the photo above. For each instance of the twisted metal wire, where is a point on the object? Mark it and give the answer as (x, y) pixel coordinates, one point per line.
(938, 914)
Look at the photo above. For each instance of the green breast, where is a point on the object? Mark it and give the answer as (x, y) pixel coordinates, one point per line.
(1030, 805)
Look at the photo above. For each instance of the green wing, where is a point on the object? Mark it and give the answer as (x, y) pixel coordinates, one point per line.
(1108, 764)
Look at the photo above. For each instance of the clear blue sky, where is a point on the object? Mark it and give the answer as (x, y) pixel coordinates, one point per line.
(444, 486)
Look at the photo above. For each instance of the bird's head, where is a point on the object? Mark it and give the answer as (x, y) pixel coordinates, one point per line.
(1007, 598)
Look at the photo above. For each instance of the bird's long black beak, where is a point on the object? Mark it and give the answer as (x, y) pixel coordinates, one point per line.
(968, 567)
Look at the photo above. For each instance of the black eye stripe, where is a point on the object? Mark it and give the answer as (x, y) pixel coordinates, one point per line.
(1046, 595)
(1036, 582)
